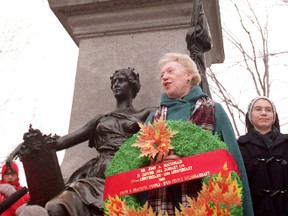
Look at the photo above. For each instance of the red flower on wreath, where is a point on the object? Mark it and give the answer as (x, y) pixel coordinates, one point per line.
(154, 139)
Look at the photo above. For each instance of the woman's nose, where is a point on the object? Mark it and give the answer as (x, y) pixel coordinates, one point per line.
(164, 76)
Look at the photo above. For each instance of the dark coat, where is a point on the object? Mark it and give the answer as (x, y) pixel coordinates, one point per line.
(267, 171)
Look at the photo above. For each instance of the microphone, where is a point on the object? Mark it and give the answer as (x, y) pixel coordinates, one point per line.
(9, 201)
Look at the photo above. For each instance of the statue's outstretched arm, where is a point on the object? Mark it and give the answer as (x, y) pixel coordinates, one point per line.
(71, 139)
(14, 154)
(78, 136)
(144, 113)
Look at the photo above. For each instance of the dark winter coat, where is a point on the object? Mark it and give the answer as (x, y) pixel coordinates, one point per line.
(267, 171)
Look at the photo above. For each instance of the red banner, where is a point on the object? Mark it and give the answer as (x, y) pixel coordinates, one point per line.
(168, 173)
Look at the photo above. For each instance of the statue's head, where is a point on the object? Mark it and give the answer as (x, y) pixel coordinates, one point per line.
(132, 78)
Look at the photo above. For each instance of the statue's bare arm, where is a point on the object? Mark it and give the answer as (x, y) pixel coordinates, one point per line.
(71, 139)
(77, 136)
(144, 113)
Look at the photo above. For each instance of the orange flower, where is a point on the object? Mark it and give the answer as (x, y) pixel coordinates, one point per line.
(216, 197)
(114, 206)
(117, 207)
(154, 138)
(197, 207)
(145, 211)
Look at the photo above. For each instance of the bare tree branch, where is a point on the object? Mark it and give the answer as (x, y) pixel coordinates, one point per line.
(253, 48)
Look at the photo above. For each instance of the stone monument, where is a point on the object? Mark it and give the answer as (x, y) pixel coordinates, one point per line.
(113, 34)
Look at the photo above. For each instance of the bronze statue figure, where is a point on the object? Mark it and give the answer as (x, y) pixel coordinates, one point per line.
(83, 195)
(199, 41)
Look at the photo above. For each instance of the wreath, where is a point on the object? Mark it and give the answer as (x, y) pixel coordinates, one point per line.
(221, 193)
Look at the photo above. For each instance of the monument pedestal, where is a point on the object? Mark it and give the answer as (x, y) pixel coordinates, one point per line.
(115, 34)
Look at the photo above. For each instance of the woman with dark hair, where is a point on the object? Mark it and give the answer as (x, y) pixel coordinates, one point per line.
(265, 153)
(106, 133)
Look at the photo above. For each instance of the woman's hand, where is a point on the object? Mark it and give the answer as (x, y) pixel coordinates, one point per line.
(161, 158)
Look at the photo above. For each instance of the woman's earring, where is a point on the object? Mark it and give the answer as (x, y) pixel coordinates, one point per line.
(188, 80)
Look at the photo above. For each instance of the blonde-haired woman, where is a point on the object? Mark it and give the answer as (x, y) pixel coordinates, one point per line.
(184, 100)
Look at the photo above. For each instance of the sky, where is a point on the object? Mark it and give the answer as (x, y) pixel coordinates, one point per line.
(38, 61)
